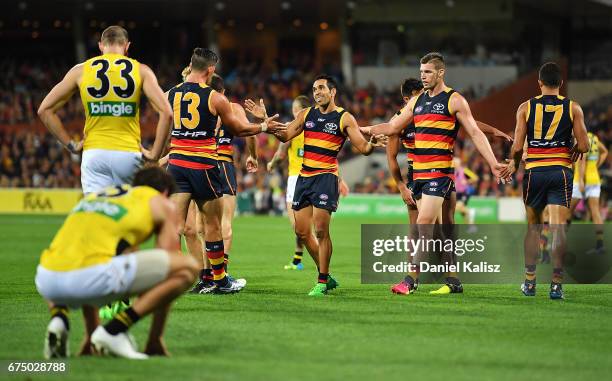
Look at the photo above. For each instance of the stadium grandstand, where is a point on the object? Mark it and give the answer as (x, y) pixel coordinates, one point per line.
(487, 47)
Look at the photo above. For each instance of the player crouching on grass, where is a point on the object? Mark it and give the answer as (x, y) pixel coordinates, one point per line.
(81, 269)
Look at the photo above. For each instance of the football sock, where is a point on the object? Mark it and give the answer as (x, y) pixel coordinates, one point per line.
(214, 251)
(206, 275)
(530, 272)
(297, 258)
(62, 313)
(410, 280)
(414, 275)
(599, 237)
(323, 277)
(557, 275)
(452, 279)
(122, 321)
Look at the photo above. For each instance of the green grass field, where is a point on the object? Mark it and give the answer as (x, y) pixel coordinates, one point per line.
(273, 330)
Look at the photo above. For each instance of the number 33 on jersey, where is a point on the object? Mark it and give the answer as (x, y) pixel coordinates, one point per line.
(110, 89)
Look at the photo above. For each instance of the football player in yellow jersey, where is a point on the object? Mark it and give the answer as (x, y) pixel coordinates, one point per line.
(587, 184)
(81, 266)
(110, 86)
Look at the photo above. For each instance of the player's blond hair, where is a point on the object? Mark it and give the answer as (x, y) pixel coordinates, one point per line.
(114, 35)
(303, 101)
(186, 71)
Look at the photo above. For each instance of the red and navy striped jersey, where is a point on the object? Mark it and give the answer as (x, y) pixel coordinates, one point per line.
(549, 132)
(323, 139)
(407, 138)
(435, 132)
(192, 144)
(225, 144)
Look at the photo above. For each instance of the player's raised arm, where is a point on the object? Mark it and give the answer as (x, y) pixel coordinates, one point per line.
(238, 127)
(464, 116)
(160, 103)
(492, 131)
(251, 141)
(579, 129)
(294, 128)
(57, 97)
(352, 130)
(396, 124)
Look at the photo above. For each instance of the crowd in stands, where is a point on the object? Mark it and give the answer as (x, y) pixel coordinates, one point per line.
(32, 158)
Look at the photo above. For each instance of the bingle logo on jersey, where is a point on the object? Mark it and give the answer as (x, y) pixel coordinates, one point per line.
(310, 124)
(438, 107)
(119, 109)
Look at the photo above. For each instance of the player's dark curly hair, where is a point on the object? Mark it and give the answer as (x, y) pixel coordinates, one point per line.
(217, 83)
(410, 85)
(156, 178)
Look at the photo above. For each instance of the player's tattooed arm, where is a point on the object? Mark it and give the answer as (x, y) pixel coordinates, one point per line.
(352, 130)
(57, 97)
(159, 101)
(395, 125)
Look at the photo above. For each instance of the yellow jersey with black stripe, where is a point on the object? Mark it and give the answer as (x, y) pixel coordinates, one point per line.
(193, 143)
(549, 132)
(295, 154)
(323, 138)
(435, 131)
(100, 226)
(592, 157)
(110, 90)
